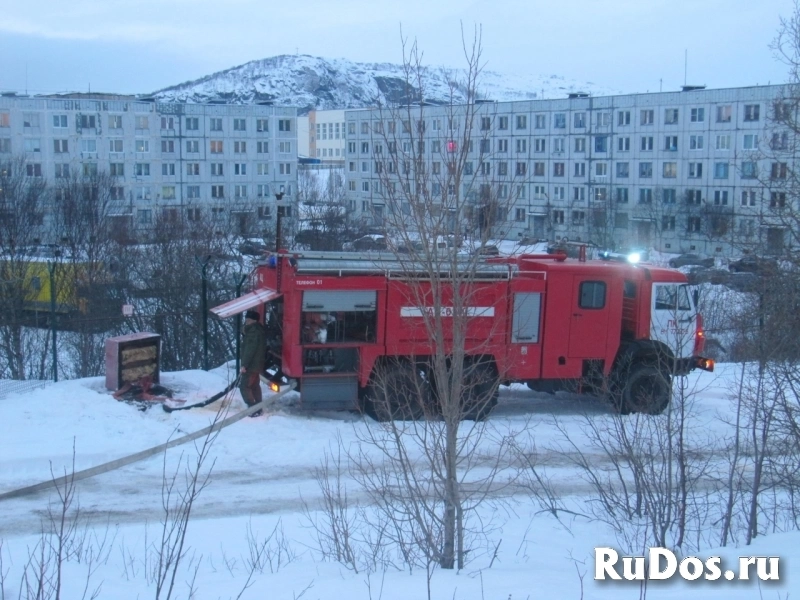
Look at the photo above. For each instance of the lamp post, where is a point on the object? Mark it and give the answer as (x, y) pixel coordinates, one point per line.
(204, 306)
(279, 215)
(51, 267)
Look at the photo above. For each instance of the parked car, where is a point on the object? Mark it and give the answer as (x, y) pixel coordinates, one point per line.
(753, 264)
(687, 260)
(252, 248)
(368, 243)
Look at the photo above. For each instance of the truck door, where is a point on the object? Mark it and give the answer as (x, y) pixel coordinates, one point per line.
(673, 318)
(588, 328)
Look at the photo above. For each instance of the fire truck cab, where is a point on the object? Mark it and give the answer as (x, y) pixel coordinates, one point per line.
(549, 321)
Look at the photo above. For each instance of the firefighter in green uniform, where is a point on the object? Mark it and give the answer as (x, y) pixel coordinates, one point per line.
(252, 355)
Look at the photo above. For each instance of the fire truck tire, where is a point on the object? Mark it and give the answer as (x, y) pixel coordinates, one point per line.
(393, 394)
(647, 390)
(481, 392)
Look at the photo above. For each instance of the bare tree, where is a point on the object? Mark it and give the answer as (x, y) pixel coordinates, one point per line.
(444, 201)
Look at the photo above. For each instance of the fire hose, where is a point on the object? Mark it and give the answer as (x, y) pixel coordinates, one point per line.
(145, 454)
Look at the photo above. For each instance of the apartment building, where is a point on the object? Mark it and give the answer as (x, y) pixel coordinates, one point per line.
(695, 170)
(327, 137)
(173, 160)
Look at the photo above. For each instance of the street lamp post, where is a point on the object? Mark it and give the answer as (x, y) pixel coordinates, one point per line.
(51, 267)
(279, 217)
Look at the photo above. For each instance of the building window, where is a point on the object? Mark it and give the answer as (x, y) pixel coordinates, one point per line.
(560, 121)
(671, 143)
(601, 143)
(5, 145)
(540, 121)
(749, 170)
(603, 119)
(645, 196)
(778, 170)
(60, 146)
(168, 192)
(669, 195)
(721, 170)
(580, 144)
(558, 169)
(239, 191)
(579, 120)
(59, 121)
(217, 169)
(240, 169)
(750, 141)
(621, 194)
(623, 117)
(695, 142)
(117, 192)
(522, 122)
(723, 142)
(624, 144)
(558, 217)
(721, 197)
(141, 145)
(521, 146)
(262, 169)
(35, 169)
(578, 218)
(621, 220)
(558, 145)
(217, 191)
(192, 146)
(694, 197)
(780, 141)
(647, 143)
(193, 192)
(519, 215)
(285, 168)
(670, 170)
(668, 223)
(623, 169)
(751, 112)
(539, 144)
(240, 147)
(144, 216)
(600, 194)
(580, 169)
(141, 169)
(695, 170)
(502, 123)
(697, 115)
(670, 116)
(240, 124)
(538, 169)
(647, 117)
(286, 125)
(168, 169)
(693, 224)
(143, 193)
(579, 194)
(216, 146)
(777, 200)
(601, 169)
(167, 146)
(645, 170)
(748, 198)
(521, 169)
(262, 125)
(724, 113)
(192, 124)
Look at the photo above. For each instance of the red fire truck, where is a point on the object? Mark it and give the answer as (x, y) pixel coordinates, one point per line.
(335, 319)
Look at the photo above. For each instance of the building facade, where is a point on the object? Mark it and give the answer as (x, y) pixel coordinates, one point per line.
(326, 130)
(187, 160)
(691, 171)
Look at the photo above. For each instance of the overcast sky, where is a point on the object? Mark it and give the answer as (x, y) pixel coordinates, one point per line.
(138, 46)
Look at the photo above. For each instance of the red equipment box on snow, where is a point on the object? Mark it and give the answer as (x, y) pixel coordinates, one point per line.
(131, 357)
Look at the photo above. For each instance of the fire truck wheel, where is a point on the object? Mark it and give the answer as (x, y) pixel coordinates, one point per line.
(393, 394)
(647, 390)
(481, 392)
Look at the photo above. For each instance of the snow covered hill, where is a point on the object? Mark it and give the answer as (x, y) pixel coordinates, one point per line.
(310, 82)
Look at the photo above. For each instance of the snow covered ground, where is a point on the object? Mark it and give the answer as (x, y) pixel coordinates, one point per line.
(262, 477)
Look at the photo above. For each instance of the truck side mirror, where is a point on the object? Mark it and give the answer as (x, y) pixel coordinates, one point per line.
(696, 298)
